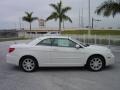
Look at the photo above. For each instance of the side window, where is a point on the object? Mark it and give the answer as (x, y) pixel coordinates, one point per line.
(45, 42)
(61, 42)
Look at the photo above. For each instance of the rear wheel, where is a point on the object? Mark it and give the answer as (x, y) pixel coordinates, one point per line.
(96, 63)
(28, 64)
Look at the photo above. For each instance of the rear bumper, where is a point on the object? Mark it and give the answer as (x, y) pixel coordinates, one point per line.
(12, 59)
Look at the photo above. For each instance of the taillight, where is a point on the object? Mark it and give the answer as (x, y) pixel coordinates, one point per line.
(11, 50)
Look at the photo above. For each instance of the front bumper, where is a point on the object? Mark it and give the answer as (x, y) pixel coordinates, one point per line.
(110, 59)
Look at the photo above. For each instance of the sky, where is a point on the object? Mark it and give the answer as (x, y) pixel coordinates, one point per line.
(12, 11)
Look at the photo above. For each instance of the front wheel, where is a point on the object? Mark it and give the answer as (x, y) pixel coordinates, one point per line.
(96, 63)
(28, 64)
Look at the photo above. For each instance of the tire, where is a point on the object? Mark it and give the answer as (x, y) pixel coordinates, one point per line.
(96, 63)
(28, 64)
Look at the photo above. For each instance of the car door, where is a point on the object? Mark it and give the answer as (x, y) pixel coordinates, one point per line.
(64, 53)
(43, 50)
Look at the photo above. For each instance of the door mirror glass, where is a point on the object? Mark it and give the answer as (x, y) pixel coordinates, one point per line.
(77, 46)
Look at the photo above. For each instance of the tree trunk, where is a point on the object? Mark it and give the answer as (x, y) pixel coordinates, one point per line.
(59, 26)
(30, 26)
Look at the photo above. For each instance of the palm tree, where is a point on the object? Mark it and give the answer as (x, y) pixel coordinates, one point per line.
(29, 18)
(59, 13)
(110, 7)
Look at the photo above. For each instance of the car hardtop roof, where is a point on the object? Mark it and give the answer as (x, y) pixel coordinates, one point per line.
(45, 37)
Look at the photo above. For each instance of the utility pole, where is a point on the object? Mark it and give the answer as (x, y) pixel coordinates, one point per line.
(20, 23)
(92, 23)
(79, 19)
(82, 22)
(89, 6)
(93, 19)
(89, 16)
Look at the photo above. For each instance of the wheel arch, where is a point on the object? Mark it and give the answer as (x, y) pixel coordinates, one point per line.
(94, 56)
(30, 56)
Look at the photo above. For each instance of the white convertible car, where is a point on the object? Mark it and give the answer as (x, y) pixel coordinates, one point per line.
(59, 51)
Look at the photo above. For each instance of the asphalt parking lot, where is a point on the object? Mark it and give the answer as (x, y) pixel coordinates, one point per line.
(12, 78)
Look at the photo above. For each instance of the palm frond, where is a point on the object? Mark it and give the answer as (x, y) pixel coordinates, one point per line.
(108, 8)
(103, 7)
(26, 13)
(107, 12)
(25, 19)
(116, 9)
(29, 14)
(59, 6)
(34, 18)
(54, 15)
(66, 18)
(28, 17)
(55, 7)
(64, 10)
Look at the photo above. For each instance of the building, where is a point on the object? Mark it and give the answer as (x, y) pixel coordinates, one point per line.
(35, 33)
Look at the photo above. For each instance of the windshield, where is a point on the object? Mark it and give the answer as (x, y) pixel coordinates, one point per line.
(83, 44)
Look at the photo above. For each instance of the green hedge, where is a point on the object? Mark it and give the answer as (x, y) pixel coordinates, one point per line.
(11, 39)
(93, 32)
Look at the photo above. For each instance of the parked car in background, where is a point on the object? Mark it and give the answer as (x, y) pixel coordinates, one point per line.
(59, 51)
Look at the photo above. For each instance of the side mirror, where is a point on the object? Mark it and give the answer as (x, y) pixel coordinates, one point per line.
(77, 46)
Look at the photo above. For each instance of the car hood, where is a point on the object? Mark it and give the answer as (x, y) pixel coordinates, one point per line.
(98, 48)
